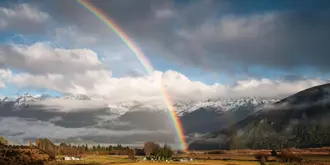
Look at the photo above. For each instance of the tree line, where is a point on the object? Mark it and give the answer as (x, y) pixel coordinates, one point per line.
(72, 150)
(150, 149)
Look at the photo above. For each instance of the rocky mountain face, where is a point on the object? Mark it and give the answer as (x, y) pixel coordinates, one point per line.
(212, 115)
(301, 120)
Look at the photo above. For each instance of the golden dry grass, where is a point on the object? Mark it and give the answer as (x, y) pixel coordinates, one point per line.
(120, 160)
(123, 160)
(93, 160)
(207, 162)
(107, 160)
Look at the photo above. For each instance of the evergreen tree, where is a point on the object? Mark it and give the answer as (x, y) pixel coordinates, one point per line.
(86, 147)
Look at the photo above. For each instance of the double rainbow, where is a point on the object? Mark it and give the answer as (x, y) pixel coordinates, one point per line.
(143, 60)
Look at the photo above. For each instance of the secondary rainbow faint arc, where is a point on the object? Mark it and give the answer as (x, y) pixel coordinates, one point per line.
(143, 60)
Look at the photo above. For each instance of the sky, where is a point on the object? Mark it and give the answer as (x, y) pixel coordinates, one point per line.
(199, 50)
(61, 48)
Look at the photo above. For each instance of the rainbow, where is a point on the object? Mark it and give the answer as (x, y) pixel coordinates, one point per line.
(143, 60)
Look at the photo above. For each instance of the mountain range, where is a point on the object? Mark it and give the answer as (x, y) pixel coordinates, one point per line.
(77, 111)
(182, 108)
(300, 120)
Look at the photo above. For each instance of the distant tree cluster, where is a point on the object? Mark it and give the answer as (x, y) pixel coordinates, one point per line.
(152, 149)
(47, 146)
(71, 150)
(68, 149)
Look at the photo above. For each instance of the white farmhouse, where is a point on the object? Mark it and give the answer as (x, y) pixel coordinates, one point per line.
(72, 158)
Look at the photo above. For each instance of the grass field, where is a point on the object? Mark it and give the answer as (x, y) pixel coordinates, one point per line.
(123, 160)
(207, 162)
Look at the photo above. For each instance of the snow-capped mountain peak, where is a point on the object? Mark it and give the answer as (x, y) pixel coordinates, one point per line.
(125, 106)
(223, 105)
(25, 99)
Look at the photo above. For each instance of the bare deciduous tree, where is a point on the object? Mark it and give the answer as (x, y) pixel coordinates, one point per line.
(148, 148)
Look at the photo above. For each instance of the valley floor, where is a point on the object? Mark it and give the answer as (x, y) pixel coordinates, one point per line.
(122, 160)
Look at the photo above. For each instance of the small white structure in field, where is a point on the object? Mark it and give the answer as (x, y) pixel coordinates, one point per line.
(183, 160)
(72, 158)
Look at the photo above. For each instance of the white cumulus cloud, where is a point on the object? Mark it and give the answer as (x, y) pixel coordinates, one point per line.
(80, 71)
(23, 18)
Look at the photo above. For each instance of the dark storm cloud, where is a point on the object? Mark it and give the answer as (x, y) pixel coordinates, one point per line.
(18, 129)
(81, 118)
(210, 34)
(151, 120)
(194, 33)
(135, 138)
(98, 125)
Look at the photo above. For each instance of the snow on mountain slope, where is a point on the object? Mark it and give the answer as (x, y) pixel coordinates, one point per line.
(123, 107)
(223, 105)
(25, 99)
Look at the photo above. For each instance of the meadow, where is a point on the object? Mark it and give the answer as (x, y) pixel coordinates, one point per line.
(222, 160)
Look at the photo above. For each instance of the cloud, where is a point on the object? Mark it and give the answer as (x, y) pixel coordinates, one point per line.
(18, 128)
(81, 71)
(197, 36)
(147, 89)
(2, 85)
(23, 18)
(70, 105)
(52, 60)
(74, 36)
(88, 124)
(281, 40)
(193, 34)
(164, 13)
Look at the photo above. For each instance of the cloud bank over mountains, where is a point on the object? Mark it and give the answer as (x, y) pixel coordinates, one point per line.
(81, 71)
